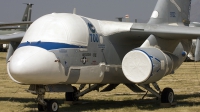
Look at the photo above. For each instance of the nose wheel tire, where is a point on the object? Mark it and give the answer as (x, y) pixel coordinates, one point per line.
(167, 96)
(53, 106)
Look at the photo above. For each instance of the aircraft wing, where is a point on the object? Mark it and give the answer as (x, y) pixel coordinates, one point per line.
(166, 31)
(12, 27)
(120, 29)
(143, 30)
(16, 23)
(17, 37)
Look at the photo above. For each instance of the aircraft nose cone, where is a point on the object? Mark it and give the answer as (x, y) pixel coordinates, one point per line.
(34, 65)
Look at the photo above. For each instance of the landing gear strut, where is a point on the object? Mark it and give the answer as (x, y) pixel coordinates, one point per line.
(43, 107)
(166, 96)
(73, 96)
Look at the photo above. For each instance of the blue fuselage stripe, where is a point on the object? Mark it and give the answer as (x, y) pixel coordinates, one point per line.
(48, 45)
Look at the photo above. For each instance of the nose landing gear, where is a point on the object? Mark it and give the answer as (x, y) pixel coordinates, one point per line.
(51, 106)
(44, 104)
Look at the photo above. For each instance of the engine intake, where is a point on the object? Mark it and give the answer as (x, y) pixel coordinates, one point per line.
(146, 65)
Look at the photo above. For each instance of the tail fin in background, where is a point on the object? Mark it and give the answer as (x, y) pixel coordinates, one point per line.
(26, 16)
(27, 12)
(171, 12)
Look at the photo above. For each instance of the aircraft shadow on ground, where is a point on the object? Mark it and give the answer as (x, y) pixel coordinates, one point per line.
(2, 58)
(88, 105)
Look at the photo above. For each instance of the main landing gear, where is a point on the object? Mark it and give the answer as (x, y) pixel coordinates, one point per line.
(72, 96)
(166, 96)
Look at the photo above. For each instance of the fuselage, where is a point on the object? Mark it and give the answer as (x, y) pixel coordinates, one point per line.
(61, 48)
(64, 48)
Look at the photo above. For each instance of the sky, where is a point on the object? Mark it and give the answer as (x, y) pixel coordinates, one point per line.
(12, 10)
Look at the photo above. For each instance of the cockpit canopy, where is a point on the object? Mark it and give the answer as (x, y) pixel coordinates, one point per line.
(58, 27)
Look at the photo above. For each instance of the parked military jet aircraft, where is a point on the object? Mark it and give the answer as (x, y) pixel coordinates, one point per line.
(191, 55)
(9, 31)
(61, 49)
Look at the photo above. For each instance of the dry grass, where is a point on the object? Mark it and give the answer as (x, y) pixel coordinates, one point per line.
(185, 82)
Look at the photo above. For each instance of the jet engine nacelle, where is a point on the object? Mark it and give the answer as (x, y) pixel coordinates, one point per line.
(146, 65)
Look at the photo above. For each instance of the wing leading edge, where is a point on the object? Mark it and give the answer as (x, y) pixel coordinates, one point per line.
(167, 31)
(16, 37)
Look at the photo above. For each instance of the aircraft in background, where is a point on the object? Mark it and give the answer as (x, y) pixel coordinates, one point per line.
(61, 49)
(191, 55)
(14, 31)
